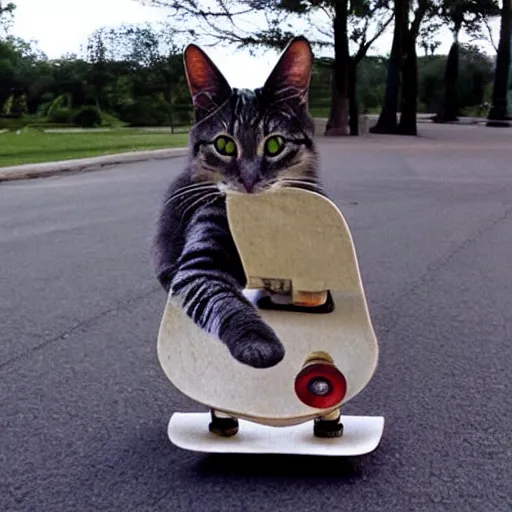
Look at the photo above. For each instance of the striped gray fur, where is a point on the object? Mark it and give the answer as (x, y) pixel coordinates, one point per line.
(195, 257)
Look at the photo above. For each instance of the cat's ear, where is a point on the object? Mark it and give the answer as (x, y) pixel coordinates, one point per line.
(208, 87)
(291, 76)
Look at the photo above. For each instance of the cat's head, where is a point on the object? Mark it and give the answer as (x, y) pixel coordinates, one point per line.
(250, 140)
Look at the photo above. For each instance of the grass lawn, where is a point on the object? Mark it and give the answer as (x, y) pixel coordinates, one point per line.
(35, 147)
(321, 112)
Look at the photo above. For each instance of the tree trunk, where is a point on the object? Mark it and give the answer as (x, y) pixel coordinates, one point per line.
(338, 123)
(408, 109)
(498, 114)
(387, 122)
(352, 93)
(171, 108)
(450, 109)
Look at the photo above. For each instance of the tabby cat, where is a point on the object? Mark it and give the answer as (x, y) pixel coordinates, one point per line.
(245, 140)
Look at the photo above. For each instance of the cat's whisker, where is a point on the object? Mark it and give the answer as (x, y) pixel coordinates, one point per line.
(187, 197)
(274, 182)
(195, 185)
(194, 191)
(310, 183)
(287, 182)
(214, 195)
(196, 198)
(300, 180)
(209, 198)
(274, 185)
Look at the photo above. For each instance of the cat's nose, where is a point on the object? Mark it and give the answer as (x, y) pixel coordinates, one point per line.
(248, 182)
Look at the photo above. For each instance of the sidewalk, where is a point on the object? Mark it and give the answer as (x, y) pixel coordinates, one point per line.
(30, 171)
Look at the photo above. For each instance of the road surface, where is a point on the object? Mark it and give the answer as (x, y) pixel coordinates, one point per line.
(84, 404)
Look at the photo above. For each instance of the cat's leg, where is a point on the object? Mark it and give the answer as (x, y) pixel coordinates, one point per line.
(223, 424)
(209, 284)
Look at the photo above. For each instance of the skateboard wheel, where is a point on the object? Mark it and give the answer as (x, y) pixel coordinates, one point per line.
(223, 426)
(321, 385)
(328, 428)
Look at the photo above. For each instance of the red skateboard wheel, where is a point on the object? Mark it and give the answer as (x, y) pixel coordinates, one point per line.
(320, 385)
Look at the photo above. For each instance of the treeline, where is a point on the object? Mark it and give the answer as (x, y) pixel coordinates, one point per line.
(140, 82)
(350, 28)
(473, 87)
(134, 76)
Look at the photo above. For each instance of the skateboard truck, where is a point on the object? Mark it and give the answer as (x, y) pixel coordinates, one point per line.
(310, 299)
(321, 385)
(282, 297)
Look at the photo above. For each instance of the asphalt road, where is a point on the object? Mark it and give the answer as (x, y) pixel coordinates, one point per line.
(84, 404)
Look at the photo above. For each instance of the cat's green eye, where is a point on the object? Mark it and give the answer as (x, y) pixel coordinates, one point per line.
(274, 145)
(225, 145)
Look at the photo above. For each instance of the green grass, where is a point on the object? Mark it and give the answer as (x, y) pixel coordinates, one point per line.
(35, 147)
(320, 112)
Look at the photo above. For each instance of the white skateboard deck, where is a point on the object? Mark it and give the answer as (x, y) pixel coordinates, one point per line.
(361, 435)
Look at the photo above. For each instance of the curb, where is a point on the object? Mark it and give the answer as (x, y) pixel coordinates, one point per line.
(47, 169)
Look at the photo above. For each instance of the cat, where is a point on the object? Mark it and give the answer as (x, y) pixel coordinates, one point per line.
(249, 141)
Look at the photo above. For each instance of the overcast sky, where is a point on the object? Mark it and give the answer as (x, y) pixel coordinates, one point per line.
(62, 26)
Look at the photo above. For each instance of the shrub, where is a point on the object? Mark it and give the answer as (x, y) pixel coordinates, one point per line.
(13, 123)
(8, 105)
(146, 111)
(111, 121)
(88, 117)
(182, 115)
(60, 115)
(62, 102)
(20, 105)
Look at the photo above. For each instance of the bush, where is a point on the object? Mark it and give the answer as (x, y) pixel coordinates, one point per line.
(182, 115)
(60, 115)
(88, 117)
(8, 105)
(62, 102)
(14, 123)
(146, 111)
(20, 105)
(111, 121)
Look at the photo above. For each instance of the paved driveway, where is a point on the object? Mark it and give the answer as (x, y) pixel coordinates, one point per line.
(84, 405)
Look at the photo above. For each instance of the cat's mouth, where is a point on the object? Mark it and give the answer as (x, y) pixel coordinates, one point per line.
(259, 187)
(241, 187)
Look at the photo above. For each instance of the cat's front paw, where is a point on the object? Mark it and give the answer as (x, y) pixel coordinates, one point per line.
(258, 351)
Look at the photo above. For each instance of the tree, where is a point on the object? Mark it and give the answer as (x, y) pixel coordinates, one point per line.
(142, 74)
(328, 24)
(6, 16)
(472, 16)
(402, 82)
(499, 115)
(98, 75)
(476, 71)
(18, 61)
(387, 122)
(344, 91)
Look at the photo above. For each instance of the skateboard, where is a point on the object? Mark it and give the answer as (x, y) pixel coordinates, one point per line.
(303, 277)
